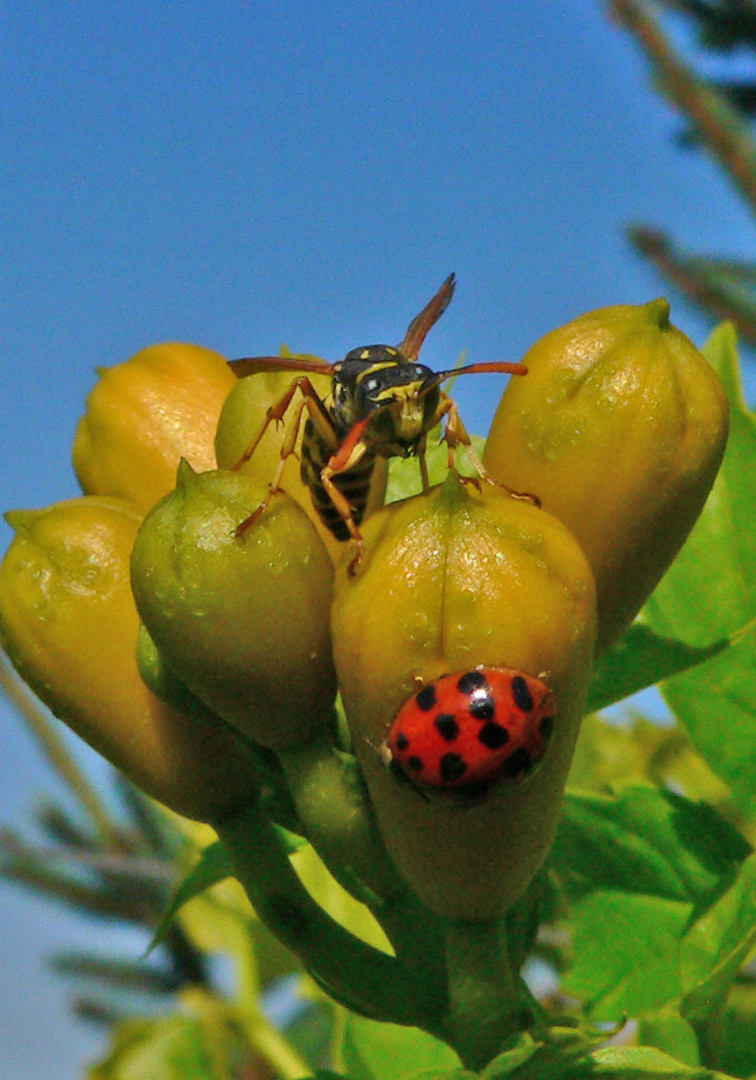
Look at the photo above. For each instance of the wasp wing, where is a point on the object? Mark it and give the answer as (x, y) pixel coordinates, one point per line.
(254, 365)
(417, 330)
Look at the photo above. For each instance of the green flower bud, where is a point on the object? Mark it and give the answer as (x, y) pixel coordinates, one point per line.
(619, 429)
(243, 622)
(453, 579)
(69, 624)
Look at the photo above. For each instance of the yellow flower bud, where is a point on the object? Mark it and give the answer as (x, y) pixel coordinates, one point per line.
(243, 621)
(69, 624)
(450, 580)
(144, 415)
(619, 429)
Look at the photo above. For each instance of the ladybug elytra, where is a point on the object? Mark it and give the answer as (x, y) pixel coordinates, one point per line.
(469, 730)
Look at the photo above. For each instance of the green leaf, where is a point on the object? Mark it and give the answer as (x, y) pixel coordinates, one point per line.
(665, 907)
(447, 1074)
(214, 865)
(522, 1053)
(172, 1048)
(645, 1063)
(717, 944)
(710, 593)
(556, 1053)
(640, 659)
(627, 953)
(735, 1028)
(644, 841)
(717, 706)
(670, 1032)
(374, 1051)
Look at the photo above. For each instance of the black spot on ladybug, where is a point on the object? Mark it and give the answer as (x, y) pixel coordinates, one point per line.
(472, 680)
(402, 742)
(453, 767)
(447, 726)
(426, 698)
(482, 706)
(546, 726)
(493, 736)
(523, 699)
(415, 763)
(519, 762)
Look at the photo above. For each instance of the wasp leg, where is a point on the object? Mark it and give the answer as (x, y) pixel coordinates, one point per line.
(277, 412)
(423, 463)
(287, 449)
(317, 410)
(456, 435)
(349, 454)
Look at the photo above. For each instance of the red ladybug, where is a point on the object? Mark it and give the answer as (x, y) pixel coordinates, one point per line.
(467, 731)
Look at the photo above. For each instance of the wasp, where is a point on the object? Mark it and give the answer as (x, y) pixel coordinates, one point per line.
(382, 403)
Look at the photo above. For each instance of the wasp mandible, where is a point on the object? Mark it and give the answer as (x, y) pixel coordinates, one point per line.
(382, 403)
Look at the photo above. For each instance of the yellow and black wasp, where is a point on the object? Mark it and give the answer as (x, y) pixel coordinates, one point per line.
(382, 403)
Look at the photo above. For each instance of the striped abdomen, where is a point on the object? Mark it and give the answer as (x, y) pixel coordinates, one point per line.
(354, 484)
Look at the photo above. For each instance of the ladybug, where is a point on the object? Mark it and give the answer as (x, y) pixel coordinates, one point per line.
(468, 731)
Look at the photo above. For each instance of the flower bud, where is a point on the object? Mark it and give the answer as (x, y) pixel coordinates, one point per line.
(144, 415)
(241, 419)
(619, 429)
(69, 624)
(450, 580)
(243, 621)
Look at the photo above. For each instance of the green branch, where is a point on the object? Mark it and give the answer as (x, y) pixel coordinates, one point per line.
(705, 282)
(711, 114)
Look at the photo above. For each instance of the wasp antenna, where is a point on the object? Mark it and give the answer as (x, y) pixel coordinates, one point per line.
(500, 366)
(417, 331)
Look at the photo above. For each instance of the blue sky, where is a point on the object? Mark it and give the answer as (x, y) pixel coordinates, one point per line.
(242, 174)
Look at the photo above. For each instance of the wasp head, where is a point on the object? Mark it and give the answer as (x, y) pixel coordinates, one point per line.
(401, 395)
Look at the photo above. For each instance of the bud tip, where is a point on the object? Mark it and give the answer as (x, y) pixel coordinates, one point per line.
(658, 312)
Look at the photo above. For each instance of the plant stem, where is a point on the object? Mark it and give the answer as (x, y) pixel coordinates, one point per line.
(485, 1007)
(276, 1050)
(332, 803)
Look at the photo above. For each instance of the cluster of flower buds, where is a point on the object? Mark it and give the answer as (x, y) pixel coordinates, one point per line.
(461, 641)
